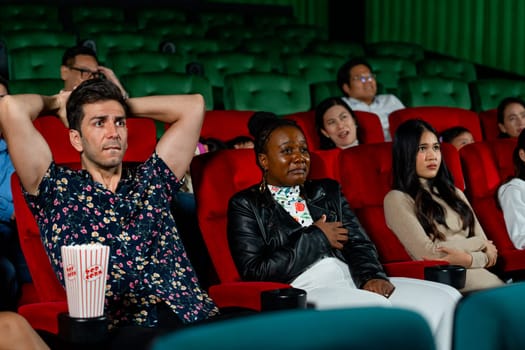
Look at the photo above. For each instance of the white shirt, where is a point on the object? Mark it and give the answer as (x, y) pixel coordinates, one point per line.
(512, 199)
(382, 105)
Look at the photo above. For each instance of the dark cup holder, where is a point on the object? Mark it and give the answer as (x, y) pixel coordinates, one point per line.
(282, 299)
(453, 275)
(82, 331)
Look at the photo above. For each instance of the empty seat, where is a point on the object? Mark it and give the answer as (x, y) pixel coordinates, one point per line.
(273, 92)
(146, 62)
(489, 124)
(31, 38)
(90, 28)
(84, 13)
(213, 19)
(169, 31)
(441, 118)
(106, 42)
(191, 48)
(491, 319)
(301, 34)
(44, 86)
(389, 70)
(448, 68)
(313, 68)
(322, 90)
(32, 11)
(411, 51)
(310, 329)
(150, 15)
(340, 48)
(35, 63)
(224, 125)
(487, 93)
(434, 91)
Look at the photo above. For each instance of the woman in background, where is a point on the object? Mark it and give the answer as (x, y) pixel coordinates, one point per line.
(336, 124)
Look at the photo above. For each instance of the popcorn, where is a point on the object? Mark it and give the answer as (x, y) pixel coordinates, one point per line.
(85, 272)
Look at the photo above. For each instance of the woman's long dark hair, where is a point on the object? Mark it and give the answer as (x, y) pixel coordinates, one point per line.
(429, 212)
(320, 110)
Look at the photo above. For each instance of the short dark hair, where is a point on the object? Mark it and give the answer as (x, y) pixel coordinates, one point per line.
(91, 91)
(261, 125)
(451, 133)
(343, 74)
(74, 51)
(4, 82)
(320, 110)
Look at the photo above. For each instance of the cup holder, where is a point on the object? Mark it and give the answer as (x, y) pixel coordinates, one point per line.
(453, 275)
(282, 299)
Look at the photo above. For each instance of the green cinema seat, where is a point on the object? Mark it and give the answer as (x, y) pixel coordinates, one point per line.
(410, 51)
(447, 68)
(273, 92)
(389, 70)
(487, 93)
(434, 91)
(370, 328)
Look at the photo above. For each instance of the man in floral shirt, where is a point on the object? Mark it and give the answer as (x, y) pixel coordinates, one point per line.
(127, 210)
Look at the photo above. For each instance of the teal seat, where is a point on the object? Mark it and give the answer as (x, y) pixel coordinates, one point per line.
(389, 70)
(107, 42)
(145, 62)
(12, 25)
(341, 48)
(278, 93)
(36, 86)
(33, 11)
(169, 31)
(487, 93)
(167, 83)
(82, 14)
(39, 62)
(89, 28)
(370, 328)
(214, 19)
(433, 91)
(447, 68)
(150, 15)
(301, 34)
(323, 90)
(41, 38)
(191, 48)
(218, 65)
(491, 319)
(268, 21)
(410, 51)
(313, 68)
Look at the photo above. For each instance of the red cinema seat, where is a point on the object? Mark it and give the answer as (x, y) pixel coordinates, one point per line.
(225, 125)
(441, 118)
(366, 177)
(486, 165)
(369, 131)
(489, 124)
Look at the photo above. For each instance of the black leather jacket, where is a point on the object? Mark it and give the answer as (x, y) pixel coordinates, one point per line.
(267, 244)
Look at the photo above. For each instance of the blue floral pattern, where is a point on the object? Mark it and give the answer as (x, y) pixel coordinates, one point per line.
(148, 263)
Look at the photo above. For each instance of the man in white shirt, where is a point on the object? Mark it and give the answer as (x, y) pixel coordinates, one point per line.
(358, 84)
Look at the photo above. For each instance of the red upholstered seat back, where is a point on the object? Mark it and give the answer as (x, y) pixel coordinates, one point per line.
(47, 286)
(486, 165)
(489, 124)
(369, 131)
(441, 118)
(225, 125)
(366, 177)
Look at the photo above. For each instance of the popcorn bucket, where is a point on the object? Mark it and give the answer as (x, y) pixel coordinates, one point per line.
(85, 272)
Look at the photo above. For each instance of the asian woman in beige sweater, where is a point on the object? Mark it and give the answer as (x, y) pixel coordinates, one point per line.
(430, 216)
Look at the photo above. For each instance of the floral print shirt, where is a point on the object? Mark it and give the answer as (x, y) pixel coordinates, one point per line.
(148, 263)
(290, 199)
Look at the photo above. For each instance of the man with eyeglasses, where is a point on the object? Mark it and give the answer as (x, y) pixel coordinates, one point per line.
(80, 63)
(358, 84)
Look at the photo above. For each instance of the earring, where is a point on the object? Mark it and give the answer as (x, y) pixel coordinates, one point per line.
(262, 186)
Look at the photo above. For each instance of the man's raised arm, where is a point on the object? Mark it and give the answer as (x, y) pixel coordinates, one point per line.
(185, 113)
(28, 150)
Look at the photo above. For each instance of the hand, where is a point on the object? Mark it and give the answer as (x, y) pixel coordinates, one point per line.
(334, 232)
(61, 100)
(111, 76)
(454, 257)
(492, 253)
(380, 286)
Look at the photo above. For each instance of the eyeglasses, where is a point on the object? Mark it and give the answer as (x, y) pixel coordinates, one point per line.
(364, 78)
(86, 73)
